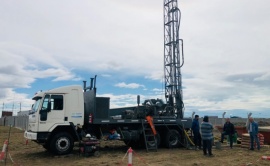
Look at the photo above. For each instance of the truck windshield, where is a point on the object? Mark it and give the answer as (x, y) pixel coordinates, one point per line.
(36, 105)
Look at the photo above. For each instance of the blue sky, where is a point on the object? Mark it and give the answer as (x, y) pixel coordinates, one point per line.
(47, 44)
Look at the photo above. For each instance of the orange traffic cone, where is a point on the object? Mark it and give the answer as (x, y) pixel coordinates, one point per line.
(2, 155)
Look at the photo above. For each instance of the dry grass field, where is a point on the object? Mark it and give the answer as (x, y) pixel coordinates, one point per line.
(113, 154)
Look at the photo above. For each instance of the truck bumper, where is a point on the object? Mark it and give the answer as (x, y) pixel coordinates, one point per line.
(30, 135)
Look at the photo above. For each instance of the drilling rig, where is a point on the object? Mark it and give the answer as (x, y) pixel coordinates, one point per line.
(173, 57)
(63, 115)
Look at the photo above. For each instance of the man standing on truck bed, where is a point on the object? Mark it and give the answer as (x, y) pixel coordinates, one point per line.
(196, 132)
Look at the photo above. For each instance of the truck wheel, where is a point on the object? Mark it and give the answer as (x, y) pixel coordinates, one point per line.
(96, 153)
(172, 139)
(62, 143)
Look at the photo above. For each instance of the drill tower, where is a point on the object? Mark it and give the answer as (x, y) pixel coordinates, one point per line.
(173, 57)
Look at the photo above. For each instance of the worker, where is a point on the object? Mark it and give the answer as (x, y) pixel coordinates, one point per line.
(252, 128)
(207, 136)
(113, 135)
(196, 132)
(228, 129)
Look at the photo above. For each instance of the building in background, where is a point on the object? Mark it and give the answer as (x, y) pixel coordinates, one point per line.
(7, 113)
(23, 113)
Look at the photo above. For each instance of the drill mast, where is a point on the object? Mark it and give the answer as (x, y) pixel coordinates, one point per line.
(173, 57)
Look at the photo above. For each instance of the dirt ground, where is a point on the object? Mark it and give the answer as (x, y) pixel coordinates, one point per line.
(113, 153)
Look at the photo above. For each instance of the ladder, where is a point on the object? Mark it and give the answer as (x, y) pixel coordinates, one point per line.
(149, 137)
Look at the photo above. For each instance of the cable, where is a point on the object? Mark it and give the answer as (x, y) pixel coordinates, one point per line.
(182, 43)
(189, 138)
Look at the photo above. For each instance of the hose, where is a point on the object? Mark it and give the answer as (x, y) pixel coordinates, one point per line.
(192, 143)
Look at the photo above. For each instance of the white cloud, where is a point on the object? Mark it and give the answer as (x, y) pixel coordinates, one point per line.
(130, 85)
(225, 44)
(263, 77)
(13, 101)
(158, 75)
(124, 100)
(105, 75)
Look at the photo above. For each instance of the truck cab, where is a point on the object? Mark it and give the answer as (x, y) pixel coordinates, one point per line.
(53, 118)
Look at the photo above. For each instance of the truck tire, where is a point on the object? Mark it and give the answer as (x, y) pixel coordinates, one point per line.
(62, 143)
(97, 154)
(172, 139)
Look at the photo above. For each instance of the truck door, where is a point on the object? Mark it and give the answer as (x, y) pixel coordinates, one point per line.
(51, 112)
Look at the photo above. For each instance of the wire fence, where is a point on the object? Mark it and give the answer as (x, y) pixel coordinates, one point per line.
(15, 121)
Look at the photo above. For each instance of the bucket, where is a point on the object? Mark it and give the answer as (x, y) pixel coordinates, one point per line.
(234, 137)
(218, 145)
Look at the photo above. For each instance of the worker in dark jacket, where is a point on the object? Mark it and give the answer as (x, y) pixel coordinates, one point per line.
(196, 132)
(228, 129)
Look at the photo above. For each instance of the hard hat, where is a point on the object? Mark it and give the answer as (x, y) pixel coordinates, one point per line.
(88, 135)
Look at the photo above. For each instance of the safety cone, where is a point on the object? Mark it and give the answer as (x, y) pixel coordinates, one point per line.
(130, 156)
(2, 155)
(265, 157)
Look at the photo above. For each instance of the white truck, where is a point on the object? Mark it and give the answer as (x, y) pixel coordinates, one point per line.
(64, 115)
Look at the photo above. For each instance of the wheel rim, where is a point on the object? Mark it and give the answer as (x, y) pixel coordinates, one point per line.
(173, 140)
(96, 153)
(62, 144)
